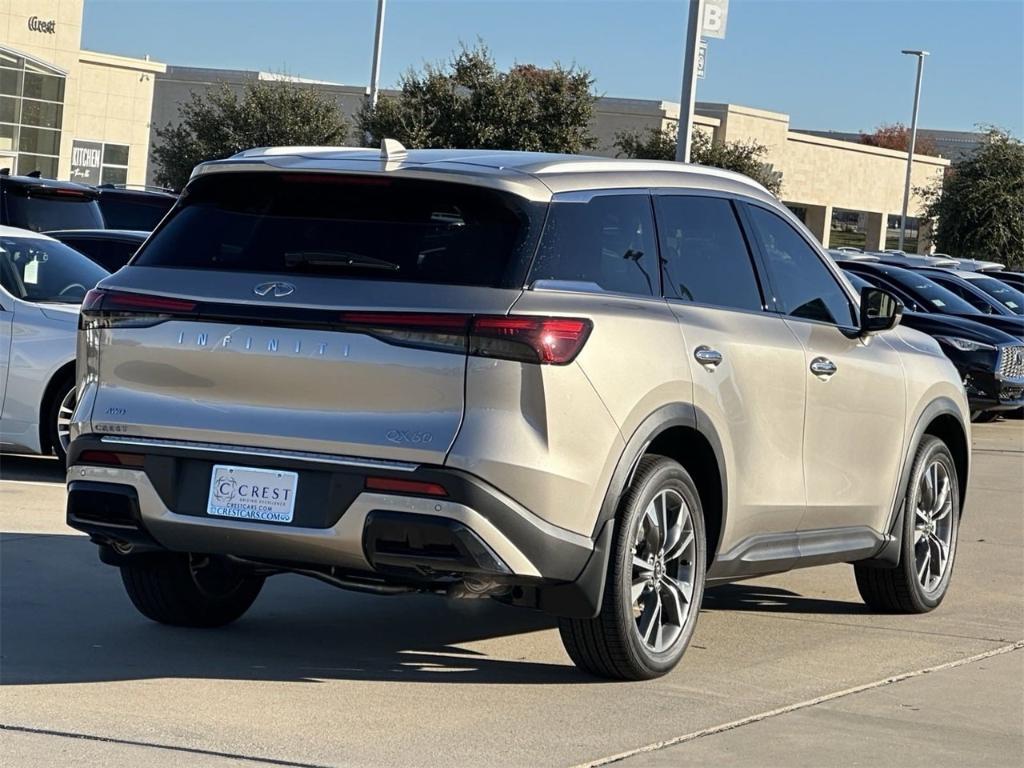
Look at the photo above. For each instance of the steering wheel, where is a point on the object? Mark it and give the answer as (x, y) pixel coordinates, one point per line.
(69, 288)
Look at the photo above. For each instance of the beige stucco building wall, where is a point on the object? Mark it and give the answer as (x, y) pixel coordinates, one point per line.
(107, 99)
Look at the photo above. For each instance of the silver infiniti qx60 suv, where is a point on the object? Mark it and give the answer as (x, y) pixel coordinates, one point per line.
(590, 387)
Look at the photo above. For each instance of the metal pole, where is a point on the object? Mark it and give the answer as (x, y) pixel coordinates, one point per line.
(913, 142)
(689, 95)
(378, 42)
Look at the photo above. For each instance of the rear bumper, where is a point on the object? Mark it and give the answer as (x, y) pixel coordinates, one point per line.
(475, 529)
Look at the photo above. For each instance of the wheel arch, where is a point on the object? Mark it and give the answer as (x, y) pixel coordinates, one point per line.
(675, 431)
(50, 392)
(941, 418)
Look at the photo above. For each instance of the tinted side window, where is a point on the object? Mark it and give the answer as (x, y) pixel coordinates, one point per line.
(704, 256)
(803, 284)
(608, 241)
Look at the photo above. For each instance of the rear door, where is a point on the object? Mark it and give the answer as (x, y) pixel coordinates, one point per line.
(856, 399)
(747, 365)
(318, 313)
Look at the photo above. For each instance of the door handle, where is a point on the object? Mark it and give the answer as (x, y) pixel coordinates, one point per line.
(823, 367)
(707, 356)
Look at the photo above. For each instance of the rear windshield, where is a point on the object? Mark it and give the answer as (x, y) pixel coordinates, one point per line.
(369, 228)
(48, 209)
(137, 213)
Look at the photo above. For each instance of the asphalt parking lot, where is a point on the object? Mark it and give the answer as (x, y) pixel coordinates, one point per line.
(788, 670)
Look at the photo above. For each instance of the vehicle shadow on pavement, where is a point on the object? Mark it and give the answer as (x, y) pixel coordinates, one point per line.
(64, 618)
(40, 469)
(757, 597)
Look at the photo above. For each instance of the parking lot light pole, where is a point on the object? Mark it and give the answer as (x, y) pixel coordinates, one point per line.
(913, 141)
(378, 41)
(688, 98)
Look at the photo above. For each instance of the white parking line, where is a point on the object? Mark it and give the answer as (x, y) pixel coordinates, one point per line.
(39, 483)
(800, 705)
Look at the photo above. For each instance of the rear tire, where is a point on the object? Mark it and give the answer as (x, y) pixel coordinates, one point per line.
(189, 590)
(655, 581)
(931, 522)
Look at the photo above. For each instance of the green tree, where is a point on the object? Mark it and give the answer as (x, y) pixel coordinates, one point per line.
(978, 210)
(470, 104)
(744, 157)
(221, 122)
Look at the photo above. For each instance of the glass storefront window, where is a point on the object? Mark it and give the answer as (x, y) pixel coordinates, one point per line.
(45, 114)
(115, 164)
(47, 87)
(10, 82)
(10, 110)
(115, 154)
(38, 141)
(31, 113)
(47, 166)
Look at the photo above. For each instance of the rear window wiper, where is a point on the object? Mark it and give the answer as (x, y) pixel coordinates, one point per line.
(337, 259)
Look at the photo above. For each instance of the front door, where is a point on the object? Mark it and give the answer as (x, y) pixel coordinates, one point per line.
(856, 399)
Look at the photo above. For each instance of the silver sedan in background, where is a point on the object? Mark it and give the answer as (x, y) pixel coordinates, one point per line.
(42, 284)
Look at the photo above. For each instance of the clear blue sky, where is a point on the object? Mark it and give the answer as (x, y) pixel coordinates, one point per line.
(831, 64)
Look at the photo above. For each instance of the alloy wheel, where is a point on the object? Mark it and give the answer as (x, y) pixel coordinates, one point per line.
(664, 553)
(64, 413)
(933, 526)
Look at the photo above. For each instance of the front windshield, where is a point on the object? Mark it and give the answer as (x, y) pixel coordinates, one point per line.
(1005, 294)
(40, 270)
(931, 295)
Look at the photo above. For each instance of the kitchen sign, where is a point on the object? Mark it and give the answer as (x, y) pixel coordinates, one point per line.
(86, 161)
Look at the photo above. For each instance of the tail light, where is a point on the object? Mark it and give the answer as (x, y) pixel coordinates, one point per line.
(525, 338)
(550, 340)
(444, 332)
(118, 309)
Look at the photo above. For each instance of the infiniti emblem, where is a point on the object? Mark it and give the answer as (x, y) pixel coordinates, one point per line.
(275, 289)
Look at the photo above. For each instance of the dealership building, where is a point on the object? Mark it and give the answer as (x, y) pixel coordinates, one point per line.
(64, 111)
(88, 116)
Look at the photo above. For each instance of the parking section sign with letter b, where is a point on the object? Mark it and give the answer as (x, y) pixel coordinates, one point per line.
(716, 13)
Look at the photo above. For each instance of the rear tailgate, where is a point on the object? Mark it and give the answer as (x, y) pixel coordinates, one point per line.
(280, 312)
(337, 373)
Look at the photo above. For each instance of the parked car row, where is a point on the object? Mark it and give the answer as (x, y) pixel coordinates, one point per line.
(43, 279)
(106, 223)
(977, 319)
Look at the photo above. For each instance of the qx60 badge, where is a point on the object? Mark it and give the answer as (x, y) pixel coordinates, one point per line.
(276, 289)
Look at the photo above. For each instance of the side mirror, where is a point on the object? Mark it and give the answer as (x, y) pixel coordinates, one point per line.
(879, 311)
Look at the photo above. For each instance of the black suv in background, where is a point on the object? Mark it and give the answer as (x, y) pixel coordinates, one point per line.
(134, 209)
(986, 358)
(110, 248)
(920, 293)
(40, 205)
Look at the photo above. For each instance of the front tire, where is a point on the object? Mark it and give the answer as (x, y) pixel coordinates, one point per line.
(189, 590)
(931, 524)
(58, 418)
(655, 581)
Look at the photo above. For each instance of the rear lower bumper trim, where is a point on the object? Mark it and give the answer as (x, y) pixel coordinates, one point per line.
(270, 453)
